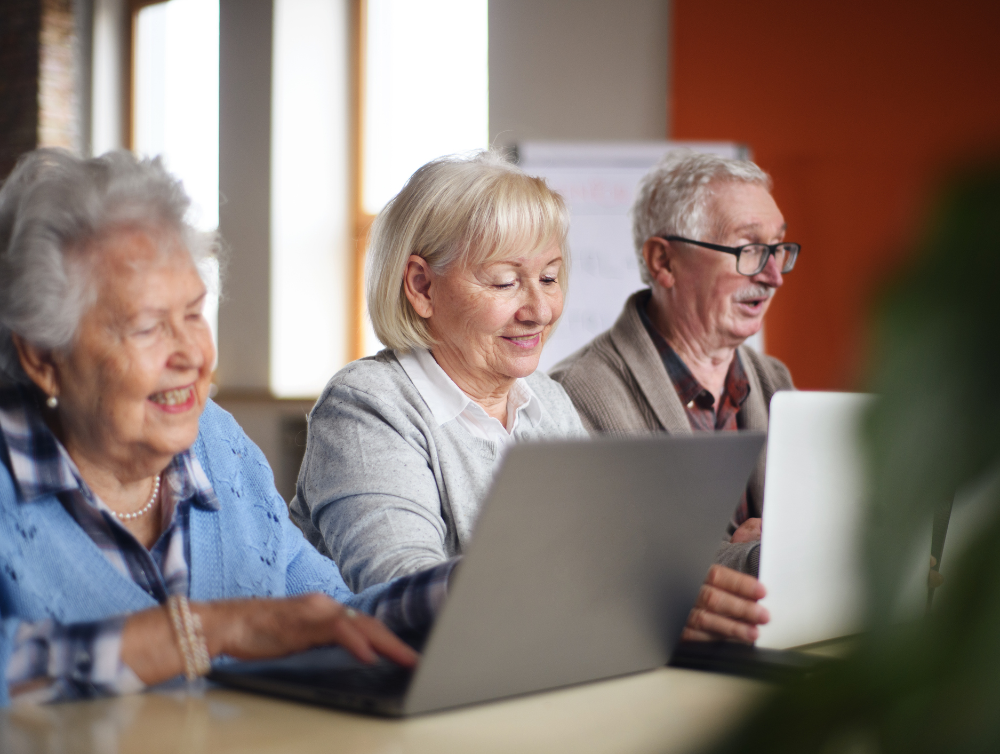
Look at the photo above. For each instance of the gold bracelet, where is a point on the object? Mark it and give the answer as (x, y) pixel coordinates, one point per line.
(190, 637)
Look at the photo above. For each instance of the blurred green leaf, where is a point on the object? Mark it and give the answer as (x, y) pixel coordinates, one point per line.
(933, 685)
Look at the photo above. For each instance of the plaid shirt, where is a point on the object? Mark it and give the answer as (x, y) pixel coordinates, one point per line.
(53, 662)
(702, 411)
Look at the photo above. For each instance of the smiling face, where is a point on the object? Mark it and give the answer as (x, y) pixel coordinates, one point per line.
(720, 304)
(133, 385)
(490, 321)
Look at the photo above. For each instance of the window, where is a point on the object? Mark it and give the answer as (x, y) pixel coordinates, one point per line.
(425, 94)
(176, 103)
(312, 233)
(362, 93)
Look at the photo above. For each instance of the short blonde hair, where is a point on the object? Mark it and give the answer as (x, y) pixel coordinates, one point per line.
(456, 210)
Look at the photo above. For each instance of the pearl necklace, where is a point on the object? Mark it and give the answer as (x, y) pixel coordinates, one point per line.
(145, 509)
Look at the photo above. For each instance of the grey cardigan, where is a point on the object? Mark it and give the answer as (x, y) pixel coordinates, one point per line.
(384, 489)
(619, 385)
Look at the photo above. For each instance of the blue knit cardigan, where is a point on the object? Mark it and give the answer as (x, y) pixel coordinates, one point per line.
(50, 568)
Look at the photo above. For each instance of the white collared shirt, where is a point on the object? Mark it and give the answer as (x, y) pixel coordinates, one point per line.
(448, 402)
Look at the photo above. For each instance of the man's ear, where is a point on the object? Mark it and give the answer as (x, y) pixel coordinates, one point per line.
(417, 281)
(659, 257)
(38, 365)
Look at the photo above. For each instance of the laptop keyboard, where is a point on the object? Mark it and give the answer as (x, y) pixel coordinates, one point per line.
(382, 679)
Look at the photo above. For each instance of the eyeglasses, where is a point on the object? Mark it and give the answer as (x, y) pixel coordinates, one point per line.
(752, 258)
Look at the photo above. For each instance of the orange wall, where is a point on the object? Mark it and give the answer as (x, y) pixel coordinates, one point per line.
(856, 109)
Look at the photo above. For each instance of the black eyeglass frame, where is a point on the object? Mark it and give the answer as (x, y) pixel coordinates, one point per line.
(772, 250)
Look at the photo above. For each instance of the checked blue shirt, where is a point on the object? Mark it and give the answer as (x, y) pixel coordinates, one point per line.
(53, 662)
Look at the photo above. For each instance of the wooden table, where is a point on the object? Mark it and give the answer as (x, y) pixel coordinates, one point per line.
(664, 710)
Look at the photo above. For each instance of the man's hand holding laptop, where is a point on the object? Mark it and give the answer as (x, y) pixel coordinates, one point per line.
(727, 609)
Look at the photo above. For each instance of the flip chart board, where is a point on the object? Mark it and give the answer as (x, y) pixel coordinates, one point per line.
(598, 181)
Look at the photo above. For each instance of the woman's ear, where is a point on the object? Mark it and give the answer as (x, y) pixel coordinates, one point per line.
(417, 283)
(659, 256)
(38, 365)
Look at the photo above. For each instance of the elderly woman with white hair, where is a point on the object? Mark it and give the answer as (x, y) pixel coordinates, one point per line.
(467, 271)
(139, 526)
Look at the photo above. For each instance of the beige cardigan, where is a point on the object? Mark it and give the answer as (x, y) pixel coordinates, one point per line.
(618, 384)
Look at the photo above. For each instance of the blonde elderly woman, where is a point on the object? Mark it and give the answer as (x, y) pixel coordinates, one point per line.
(467, 270)
(139, 526)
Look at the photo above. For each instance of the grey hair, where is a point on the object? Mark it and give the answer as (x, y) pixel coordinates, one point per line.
(456, 210)
(672, 198)
(52, 205)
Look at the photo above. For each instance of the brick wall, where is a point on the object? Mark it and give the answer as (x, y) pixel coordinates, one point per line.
(37, 90)
(20, 27)
(57, 106)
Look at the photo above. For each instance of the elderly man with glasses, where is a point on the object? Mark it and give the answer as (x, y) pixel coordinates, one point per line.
(710, 245)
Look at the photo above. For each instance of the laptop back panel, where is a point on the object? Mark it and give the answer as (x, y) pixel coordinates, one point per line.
(810, 558)
(585, 563)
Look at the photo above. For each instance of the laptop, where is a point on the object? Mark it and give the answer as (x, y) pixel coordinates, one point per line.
(811, 556)
(585, 562)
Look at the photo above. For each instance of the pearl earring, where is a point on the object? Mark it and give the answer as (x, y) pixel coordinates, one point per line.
(51, 401)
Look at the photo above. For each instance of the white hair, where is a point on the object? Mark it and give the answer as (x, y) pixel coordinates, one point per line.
(456, 210)
(672, 198)
(52, 205)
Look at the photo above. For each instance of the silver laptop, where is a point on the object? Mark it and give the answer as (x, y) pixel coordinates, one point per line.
(584, 564)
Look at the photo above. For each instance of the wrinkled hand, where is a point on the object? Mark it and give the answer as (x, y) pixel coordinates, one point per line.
(749, 531)
(264, 628)
(727, 608)
(256, 629)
